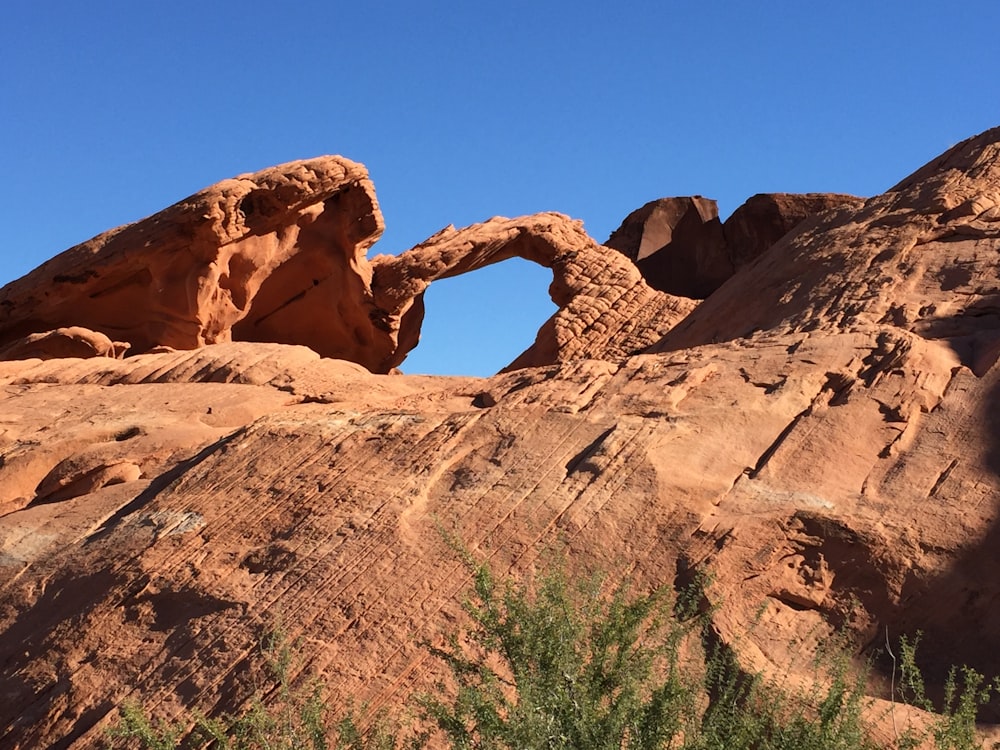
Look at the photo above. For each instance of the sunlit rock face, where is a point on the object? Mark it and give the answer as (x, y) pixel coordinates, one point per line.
(278, 255)
(821, 435)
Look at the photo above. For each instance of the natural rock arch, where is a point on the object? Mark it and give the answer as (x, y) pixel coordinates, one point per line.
(606, 310)
(280, 256)
(476, 324)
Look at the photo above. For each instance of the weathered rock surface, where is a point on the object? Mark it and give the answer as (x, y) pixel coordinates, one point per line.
(606, 311)
(63, 342)
(682, 248)
(280, 256)
(821, 434)
(919, 258)
(273, 256)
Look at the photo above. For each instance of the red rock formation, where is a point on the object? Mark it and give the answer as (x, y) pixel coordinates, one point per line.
(63, 342)
(911, 259)
(821, 435)
(681, 247)
(767, 217)
(606, 311)
(678, 244)
(278, 255)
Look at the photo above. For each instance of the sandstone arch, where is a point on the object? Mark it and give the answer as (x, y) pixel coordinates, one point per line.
(280, 256)
(606, 310)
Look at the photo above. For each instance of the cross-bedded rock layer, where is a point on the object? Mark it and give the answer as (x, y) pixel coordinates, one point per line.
(821, 434)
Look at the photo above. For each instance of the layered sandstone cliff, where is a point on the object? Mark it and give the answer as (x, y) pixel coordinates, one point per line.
(821, 433)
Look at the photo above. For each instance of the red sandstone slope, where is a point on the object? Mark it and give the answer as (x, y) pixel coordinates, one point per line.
(821, 433)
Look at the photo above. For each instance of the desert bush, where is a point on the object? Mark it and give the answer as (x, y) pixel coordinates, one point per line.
(965, 692)
(288, 716)
(553, 663)
(557, 665)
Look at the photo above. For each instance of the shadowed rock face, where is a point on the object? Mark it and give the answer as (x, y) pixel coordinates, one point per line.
(678, 244)
(767, 217)
(822, 435)
(682, 248)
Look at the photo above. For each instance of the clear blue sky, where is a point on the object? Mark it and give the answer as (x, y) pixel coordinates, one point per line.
(464, 110)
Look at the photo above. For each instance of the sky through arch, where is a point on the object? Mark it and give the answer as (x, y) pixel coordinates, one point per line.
(478, 322)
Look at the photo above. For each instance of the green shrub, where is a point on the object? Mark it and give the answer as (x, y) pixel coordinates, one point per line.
(553, 664)
(748, 711)
(965, 691)
(291, 717)
(564, 667)
(135, 725)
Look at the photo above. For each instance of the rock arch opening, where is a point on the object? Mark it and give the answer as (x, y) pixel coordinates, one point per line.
(605, 309)
(478, 323)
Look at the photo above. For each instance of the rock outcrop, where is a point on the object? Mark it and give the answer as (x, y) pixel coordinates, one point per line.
(606, 311)
(820, 434)
(682, 248)
(63, 342)
(274, 256)
(765, 218)
(913, 259)
(678, 244)
(279, 256)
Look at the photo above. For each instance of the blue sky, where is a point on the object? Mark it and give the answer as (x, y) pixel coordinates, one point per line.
(462, 111)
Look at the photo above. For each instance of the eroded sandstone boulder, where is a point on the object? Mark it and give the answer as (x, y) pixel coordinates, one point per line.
(278, 255)
(62, 343)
